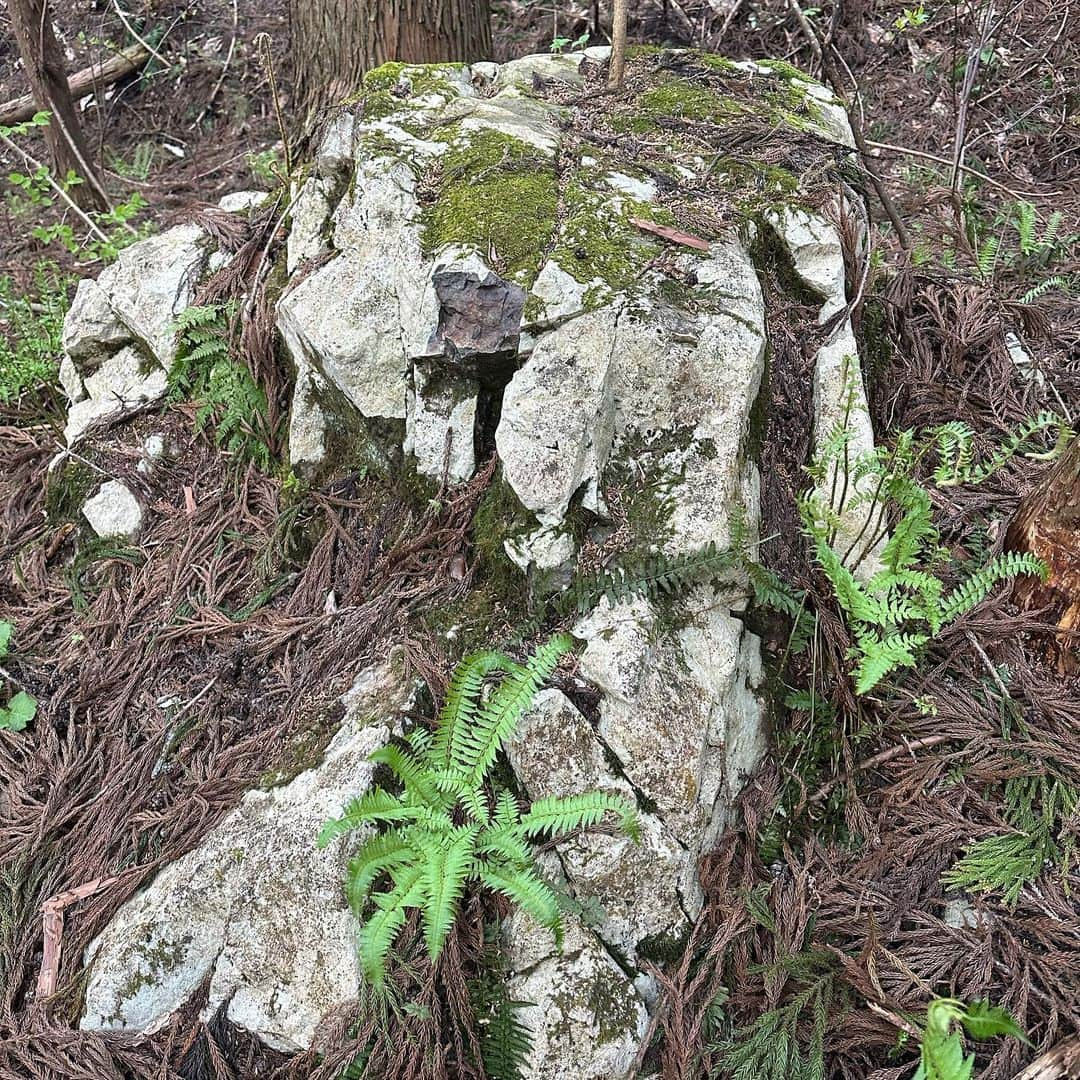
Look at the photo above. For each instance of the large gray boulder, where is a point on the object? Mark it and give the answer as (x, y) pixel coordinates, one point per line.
(495, 258)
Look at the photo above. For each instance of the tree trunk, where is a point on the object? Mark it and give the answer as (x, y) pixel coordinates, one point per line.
(335, 41)
(1048, 525)
(44, 63)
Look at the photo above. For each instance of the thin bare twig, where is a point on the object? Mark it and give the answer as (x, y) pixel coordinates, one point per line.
(963, 168)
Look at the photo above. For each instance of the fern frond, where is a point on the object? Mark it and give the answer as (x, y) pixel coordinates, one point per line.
(376, 855)
(375, 806)
(411, 772)
(1055, 281)
(378, 933)
(970, 593)
(770, 590)
(986, 256)
(647, 577)
(459, 709)
(506, 845)
(445, 871)
(1025, 226)
(525, 889)
(477, 744)
(880, 656)
(505, 1042)
(555, 817)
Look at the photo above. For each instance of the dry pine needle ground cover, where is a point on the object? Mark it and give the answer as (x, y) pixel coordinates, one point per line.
(174, 675)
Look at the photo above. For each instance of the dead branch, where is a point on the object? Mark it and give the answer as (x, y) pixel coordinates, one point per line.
(1058, 1063)
(52, 917)
(97, 75)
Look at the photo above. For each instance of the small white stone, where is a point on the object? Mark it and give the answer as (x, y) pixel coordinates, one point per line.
(237, 202)
(114, 511)
(960, 915)
(636, 188)
(154, 450)
(597, 53)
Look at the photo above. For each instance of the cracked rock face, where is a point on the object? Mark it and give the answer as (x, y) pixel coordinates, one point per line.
(118, 334)
(584, 1016)
(256, 907)
(467, 273)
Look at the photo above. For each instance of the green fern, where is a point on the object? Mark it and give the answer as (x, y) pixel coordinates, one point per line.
(1055, 281)
(208, 371)
(941, 1049)
(954, 446)
(505, 1041)
(986, 255)
(444, 829)
(894, 615)
(653, 576)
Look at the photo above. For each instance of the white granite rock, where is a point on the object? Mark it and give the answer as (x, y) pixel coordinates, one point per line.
(114, 511)
(557, 414)
(584, 1017)
(257, 906)
(122, 382)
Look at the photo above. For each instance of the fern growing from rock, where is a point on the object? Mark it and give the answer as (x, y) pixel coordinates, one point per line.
(907, 602)
(445, 829)
(207, 371)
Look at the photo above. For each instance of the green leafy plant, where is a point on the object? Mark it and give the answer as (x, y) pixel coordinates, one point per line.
(266, 166)
(912, 18)
(906, 603)
(954, 445)
(941, 1052)
(445, 829)
(558, 43)
(208, 370)
(1039, 809)
(35, 189)
(30, 332)
(21, 707)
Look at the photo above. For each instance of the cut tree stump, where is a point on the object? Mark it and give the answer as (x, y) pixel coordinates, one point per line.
(1047, 524)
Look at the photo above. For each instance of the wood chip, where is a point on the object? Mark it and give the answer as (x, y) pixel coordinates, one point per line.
(676, 236)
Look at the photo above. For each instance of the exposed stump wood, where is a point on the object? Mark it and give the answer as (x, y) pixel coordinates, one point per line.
(1047, 524)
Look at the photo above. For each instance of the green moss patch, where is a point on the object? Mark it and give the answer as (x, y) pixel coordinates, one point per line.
(597, 242)
(677, 99)
(388, 89)
(499, 195)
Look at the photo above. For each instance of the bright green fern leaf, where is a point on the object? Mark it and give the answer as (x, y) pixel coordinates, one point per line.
(444, 829)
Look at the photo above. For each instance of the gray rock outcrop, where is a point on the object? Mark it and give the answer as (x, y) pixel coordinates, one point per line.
(473, 267)
(256, 907)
